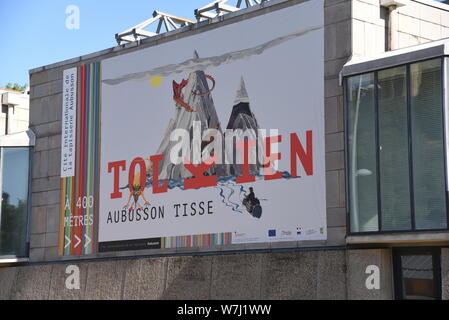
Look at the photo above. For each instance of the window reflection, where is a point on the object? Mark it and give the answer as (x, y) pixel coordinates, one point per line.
(396, 170)
(13, 224)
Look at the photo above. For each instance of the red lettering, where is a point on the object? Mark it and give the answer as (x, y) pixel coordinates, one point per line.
(306, 158)
(246, 177)
(199, 180)
(156, 188)
(270, 157)
(116, 166)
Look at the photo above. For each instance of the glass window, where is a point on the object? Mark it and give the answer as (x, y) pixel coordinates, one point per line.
(362, 154)
(395, 149)
(417, 274)
(427, 145)
(394, 169)
(14, 212)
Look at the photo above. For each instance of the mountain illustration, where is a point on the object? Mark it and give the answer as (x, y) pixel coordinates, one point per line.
(244, 123)
(194, 102)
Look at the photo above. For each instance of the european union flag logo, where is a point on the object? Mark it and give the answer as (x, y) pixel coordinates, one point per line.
(272, 233)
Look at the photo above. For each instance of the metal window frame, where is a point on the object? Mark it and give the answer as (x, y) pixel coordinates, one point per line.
(444, 104)
(397, 253)
(29, 143)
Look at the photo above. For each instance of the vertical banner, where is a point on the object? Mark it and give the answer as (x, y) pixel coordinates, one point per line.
(68, 143)
(80, 159)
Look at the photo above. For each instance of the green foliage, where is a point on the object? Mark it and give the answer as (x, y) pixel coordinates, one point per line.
(16, 86)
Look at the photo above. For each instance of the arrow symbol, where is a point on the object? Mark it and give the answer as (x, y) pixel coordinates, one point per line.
(87, 241)
(68, 241)
(78, 241)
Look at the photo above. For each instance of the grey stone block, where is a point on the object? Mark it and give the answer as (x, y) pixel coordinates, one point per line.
(37, 240)
(46, 184)
(291, 275)
(236, 276)
(45, 198)
(335, 160)
(38, 78)
(332, 189)
(331, 275)
(343, 39)
(329, 3)
(145, 279)
(358, 260)
(336, 236)
(332, 68)
(38, 220)
(46, 89)
(54, 165)
(37, 254)
(337, 13)
(58, 289)
(54, 142)
(342, 184)
(41, 144)
(32, 283)
(53, 218)
(105, 280)
(55, 107)
(40, 90)
(188, 278)
(336, 217)
(40, 164)
(332, 87)
(331, 114)
(46, 129)
(51, 253)
(51, 239)
(330, 45)
(7, 279)
(334, 142)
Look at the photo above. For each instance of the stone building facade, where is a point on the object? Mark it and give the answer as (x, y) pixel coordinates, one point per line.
(354, 31)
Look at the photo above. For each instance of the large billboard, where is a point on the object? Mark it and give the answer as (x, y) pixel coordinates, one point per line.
(213, 139)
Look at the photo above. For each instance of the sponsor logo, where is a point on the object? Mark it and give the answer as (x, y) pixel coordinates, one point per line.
(310, 231)
(322, 230)
(272, 233)
(298, 230)
(238, 235)
(286, 233)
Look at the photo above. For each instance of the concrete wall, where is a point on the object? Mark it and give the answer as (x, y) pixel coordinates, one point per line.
(304, 275)
(18, 111)
(415, 23)
(324, 274)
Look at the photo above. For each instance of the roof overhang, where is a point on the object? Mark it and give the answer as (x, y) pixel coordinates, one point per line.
(398, 57)
(21, 139)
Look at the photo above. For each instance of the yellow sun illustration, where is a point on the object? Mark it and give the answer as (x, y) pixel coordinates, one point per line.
(156, 81)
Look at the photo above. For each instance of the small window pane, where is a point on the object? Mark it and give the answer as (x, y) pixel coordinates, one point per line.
(427, 145)
(393, 150)
(14, 202)
(362, 154)
(417, 273)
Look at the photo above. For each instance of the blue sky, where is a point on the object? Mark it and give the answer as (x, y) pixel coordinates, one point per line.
(34, 32)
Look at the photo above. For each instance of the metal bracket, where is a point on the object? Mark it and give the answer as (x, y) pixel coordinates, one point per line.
(220, 7)
(136, 33)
